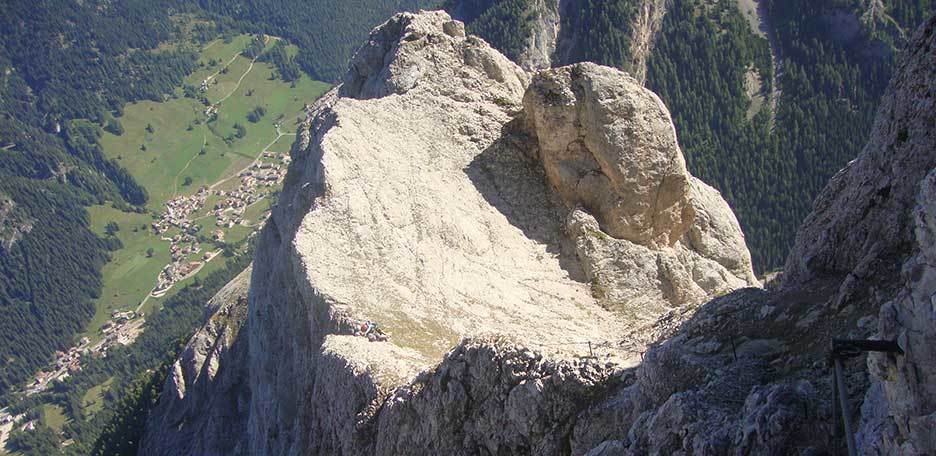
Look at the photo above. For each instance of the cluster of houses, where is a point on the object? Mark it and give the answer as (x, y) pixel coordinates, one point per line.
(265, 173)
(184, 244)
(66, 363)
(122, 329)
(174, 272)
(178, 210)
(235, 202)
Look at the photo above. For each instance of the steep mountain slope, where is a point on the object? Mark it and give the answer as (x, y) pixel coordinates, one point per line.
(60, 61)
(432, 193)
(744, 373)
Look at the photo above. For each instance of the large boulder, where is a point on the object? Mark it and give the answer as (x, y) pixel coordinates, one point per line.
(861, 225)
(609, 144)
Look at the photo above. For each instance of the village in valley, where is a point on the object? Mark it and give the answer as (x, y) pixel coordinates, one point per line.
(228, 210)
(184, 225)
(218, 175)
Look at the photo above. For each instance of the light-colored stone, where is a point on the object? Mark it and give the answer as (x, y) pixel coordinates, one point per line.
(413, 201)
(609, 145)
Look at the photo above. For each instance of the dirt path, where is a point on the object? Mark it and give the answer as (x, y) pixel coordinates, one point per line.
(266, 148)
(250, 67)
(209, 45)
(175, 181)
(755, 11)
(143, 302)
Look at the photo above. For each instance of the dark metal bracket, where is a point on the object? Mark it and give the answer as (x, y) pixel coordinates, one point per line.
(843, 349)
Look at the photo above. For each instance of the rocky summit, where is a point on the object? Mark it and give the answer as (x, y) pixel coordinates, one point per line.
(546, 277)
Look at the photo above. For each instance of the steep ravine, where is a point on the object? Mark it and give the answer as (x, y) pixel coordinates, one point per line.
(522, 239)
(557, 32)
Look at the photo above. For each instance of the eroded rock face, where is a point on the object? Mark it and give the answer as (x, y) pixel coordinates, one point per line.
(899, 413)
(861, 224)
(207, 393)
(649, 236)
(608, 144)
(413, 201)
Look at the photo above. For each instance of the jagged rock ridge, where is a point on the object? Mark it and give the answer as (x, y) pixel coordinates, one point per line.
(418, 198)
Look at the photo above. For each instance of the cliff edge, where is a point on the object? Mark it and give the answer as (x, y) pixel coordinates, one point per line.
(427, 195)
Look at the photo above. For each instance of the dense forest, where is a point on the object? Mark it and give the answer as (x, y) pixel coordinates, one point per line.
(698, 67)
(605, 27)
(505, 24)
(326, 31)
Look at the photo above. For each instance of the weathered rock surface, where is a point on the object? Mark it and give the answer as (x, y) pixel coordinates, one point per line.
(414, 200)
(610, 146)
(649, 236)
(861, 223)
(207, 393)
(899, 412)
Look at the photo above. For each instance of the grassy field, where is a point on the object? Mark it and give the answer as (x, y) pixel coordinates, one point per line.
(54, 417)
(162, 156)
(93, 399)
(283, 145)
(131, 274)
(168, 143)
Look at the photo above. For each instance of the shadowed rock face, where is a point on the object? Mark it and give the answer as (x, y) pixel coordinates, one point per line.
(861, 224)
(207, 394)
(414, 201)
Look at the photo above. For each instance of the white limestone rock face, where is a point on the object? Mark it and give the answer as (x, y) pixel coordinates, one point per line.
(414, 201)
(650, 237)
(205, 398)
(406, 204)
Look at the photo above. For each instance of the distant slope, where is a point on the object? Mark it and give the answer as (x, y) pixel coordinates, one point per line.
(326, 31)
(62, 60)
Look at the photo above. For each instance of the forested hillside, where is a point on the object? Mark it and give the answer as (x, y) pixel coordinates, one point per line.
(134, 375)
(326, 31)
(62, 60)
(505, 24)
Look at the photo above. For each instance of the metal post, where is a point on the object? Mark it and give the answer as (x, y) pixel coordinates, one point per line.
(835, 420)
(843, 402)
(590, 354)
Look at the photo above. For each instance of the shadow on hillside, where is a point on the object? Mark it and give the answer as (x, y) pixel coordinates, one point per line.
(514, 184)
